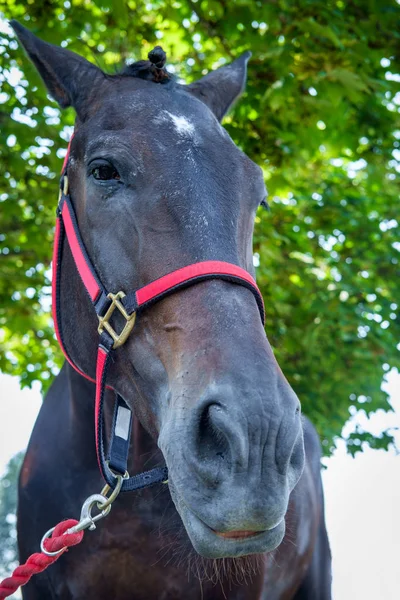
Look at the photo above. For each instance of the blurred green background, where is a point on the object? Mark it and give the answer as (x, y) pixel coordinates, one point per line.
(320, 116)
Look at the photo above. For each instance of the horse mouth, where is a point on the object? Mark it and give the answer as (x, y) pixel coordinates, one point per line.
(211, 543)
(215, 544)
(237, 535)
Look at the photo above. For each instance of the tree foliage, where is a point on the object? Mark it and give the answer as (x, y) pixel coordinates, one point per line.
(320, 116)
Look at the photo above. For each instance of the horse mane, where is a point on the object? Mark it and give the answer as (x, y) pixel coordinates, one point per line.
(151, 70)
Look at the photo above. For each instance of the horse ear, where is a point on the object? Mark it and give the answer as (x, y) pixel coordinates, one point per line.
(219, 89)
(69, 78)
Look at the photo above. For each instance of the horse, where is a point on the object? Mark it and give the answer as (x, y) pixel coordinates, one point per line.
(158, 184)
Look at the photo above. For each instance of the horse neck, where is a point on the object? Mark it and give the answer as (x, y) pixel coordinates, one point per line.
(144, 452)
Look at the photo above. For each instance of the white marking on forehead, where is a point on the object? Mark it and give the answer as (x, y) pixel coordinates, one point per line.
(182, 125)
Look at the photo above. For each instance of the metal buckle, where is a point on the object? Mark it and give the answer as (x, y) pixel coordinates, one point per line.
(64, 190)
(104, 324)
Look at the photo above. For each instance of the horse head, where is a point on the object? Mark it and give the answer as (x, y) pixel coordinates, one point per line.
(157, 184)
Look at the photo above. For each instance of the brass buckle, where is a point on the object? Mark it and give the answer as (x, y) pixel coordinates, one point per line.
(104, 324)
(64, 190)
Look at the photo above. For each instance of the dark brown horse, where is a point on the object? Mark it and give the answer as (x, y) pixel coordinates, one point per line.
(158, 184)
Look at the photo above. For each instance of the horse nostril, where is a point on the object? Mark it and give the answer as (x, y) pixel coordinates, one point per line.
(221, 444)
(211, 440)
(296, 463)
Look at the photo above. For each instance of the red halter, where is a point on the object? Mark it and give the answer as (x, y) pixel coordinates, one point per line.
(129, 305)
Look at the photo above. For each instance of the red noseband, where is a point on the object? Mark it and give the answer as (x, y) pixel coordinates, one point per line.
(129, 305)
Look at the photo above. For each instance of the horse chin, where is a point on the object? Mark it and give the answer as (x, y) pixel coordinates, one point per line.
(212, 544)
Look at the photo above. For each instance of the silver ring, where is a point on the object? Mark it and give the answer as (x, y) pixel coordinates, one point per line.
(45, 537)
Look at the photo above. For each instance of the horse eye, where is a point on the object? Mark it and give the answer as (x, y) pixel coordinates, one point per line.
(105, 173)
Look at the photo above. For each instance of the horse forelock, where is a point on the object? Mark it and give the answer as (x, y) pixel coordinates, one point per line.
(144, 69)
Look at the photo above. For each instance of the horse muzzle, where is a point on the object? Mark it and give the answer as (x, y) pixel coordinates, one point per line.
(231, 472)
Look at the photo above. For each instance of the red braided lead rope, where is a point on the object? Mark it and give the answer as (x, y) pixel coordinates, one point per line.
(38, 562)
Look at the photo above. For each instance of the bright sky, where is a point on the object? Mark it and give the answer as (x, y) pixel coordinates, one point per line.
(362, 496)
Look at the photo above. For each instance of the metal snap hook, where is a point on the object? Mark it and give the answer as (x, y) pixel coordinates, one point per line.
(86, 521)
